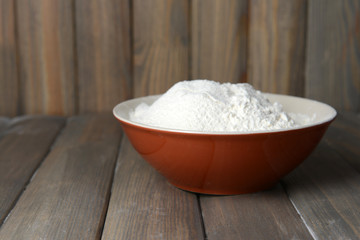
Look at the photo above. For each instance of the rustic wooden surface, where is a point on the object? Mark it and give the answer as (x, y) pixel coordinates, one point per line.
(46, 56)
(219, 40)
(342, 135)
(161, 45)
(252, 216)
(333, 188)
(68, 195)
(4, 122)
(103, 54)
(81, 181)
(277, 46)
(23, 147)
(9, 94)
(144, 206)
(333, 53)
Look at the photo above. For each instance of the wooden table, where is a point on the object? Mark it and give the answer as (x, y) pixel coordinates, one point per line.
(79, 178)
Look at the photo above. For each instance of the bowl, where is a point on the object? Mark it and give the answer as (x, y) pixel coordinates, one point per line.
(226, 163)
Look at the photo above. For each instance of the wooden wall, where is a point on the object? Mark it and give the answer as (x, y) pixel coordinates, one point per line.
(66, 57)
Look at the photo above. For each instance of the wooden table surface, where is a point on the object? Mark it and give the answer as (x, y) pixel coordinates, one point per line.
(80, 178)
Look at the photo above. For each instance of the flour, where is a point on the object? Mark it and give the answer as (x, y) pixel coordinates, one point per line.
(203, 105)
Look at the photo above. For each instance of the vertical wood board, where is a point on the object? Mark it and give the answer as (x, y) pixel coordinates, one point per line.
(219, 40)
(161, 45)
(9, 95)
(103, 54)
(46, 56)
(277, 33)
(333, 53)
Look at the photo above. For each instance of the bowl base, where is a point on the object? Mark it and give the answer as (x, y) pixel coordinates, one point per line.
(220, 192)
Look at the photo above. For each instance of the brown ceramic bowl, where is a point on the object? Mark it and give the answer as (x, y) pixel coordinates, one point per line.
(227, 162)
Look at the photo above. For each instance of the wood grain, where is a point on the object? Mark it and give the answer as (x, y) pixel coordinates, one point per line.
(23, 146)
(103, 51)
(333, 53)
(143, 205)
(9, 96)
(67, 198)
(46, 56)
(341, 136)
(161, 45)
(219, 33)
(67, 56)
(4, 122)
(277, 46)
(325, 190)
(252, 216)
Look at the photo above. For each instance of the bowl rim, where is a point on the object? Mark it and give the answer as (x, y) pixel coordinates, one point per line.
(327, 120)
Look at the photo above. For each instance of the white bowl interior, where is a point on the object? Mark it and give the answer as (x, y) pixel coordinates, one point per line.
(295, 106)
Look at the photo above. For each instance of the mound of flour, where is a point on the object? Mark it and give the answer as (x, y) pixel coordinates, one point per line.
(203, 105)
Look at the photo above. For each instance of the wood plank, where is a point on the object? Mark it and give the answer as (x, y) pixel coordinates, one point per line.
(104, 53)
(23, 146)
(349, 120)
(343, 135)
(325, 190)
(252, 216)
(67, 198)
(161, 45)
(143, 205)
(219, 40)
(277, 46)
(9, 97)
(333, 53)
(4, 122)
(46, 56)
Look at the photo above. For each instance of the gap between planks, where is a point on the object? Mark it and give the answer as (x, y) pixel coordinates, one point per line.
(143, 204)
(82, 142)
(326, 186)
(110, 189)
(8, 128)
(201, 217)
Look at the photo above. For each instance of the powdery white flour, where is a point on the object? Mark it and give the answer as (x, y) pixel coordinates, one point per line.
(203, 105)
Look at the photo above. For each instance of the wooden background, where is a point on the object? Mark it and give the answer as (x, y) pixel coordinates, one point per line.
(65, 57)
